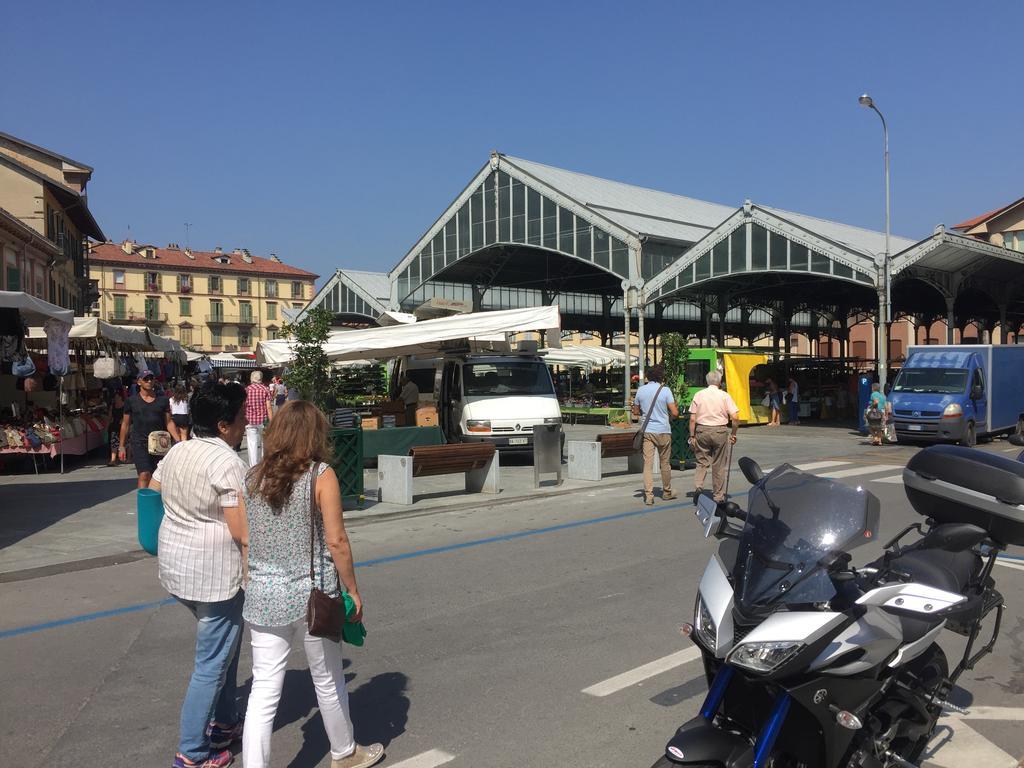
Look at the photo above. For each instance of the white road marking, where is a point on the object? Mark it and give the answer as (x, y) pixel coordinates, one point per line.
(429, 759)
(1011, 450)
(820, 465)
(1010, 564)
(890, 479)
(641, 673)
(867, 470)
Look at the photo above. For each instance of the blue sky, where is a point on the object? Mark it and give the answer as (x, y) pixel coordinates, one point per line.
(334, 133)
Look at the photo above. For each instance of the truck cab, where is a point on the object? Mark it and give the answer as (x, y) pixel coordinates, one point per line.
(943, 395)
(488, 398)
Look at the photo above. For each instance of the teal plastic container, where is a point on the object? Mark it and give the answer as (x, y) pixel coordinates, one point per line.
(150, 513)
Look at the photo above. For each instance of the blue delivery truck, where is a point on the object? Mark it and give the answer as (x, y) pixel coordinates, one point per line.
(959, 393)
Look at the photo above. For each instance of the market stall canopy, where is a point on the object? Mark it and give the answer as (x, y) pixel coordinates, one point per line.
(166, 345)
(395, 318)
(34, 311)
(230, 361)
(423, 337)
(586, 357)
(94, 328)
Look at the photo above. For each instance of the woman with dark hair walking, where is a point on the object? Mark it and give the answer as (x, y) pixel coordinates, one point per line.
(282, 519)
(200, 558)
(179, 411)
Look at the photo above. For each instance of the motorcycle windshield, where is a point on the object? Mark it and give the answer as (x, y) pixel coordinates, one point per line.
(796, 525)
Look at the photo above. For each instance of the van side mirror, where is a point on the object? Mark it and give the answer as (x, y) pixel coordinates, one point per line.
(977, 392)
(751, 470)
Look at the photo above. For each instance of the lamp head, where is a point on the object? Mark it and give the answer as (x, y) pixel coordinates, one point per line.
(866, 101)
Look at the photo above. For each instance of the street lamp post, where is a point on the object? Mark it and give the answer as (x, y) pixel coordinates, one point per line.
(884, 295)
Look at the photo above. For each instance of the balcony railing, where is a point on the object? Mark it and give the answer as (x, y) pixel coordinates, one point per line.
(230, 320)
(137, 318)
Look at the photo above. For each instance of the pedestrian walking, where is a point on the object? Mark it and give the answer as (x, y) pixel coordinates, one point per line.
(144, 413)
(200, 559)
(257, 413)
(654, 401)
(774, 403)
(793, 401)
(179, 411)
(280, 392)
(878, 414)
(712, 413)
(287, 532)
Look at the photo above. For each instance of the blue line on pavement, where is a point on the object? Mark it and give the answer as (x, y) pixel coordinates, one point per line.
(85, 617)
(364, 564)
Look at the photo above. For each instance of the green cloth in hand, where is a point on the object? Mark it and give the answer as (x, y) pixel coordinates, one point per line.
(352, 632)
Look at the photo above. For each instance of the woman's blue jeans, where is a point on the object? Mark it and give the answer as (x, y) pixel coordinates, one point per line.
(212, 690)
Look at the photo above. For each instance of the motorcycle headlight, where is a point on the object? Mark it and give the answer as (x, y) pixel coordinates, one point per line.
(763, 657)
(707, 632)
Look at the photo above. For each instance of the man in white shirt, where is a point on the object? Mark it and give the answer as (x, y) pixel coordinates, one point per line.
(410, 396)
(712, 412)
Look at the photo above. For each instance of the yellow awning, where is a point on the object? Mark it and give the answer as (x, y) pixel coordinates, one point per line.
(737, 378)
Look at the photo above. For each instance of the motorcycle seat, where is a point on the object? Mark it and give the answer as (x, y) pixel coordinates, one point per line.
(951, 571)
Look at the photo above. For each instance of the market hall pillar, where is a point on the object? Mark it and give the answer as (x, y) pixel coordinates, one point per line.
(950, 319)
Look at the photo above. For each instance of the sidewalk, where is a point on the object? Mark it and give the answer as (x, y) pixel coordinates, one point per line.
(86, 518)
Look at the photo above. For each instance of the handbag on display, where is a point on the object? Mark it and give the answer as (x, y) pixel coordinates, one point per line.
(106, 368)
(325, 615)
(159, 442)
(638, 438)
(22, 366)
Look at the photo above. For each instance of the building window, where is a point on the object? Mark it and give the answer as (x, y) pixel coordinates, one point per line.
(271, 310)
(152, 281)
(184, 283)
(243, 286)
(296, 289)
(152, 308)
(185, 307)
(244, 338)
(271, 333)
(1014, 241)
(245, 311)
(217, 310)
(860, 350)
(215, 337)
(119, 278)
(216, 285)
(271, 289)
(186, 337)
(120, 309)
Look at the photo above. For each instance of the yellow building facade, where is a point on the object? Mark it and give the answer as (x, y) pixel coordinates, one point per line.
(210, 301)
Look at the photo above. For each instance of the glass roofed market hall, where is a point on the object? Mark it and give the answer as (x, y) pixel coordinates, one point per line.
(621, 259)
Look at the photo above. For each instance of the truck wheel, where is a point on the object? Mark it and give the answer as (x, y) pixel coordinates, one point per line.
(970, 438)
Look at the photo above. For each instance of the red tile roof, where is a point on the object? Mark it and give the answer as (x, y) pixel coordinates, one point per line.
(971, 223)
(202, 261)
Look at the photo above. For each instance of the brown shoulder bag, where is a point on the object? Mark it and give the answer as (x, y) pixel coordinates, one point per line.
(325, 615)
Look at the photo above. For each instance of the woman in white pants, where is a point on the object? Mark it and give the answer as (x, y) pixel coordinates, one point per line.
(277, 506)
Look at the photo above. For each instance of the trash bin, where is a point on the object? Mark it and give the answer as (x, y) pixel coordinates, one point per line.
(149, 513)
(682, 453)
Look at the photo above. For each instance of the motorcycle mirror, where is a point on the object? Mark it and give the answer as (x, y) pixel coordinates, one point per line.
(953, 537)
(751, 470)
(707, 513)
(1017, 439)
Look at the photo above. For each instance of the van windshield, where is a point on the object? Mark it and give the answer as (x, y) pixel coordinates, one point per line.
(514, 377)
(946, 381)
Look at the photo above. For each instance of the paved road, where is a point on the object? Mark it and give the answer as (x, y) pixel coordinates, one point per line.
(534, 634)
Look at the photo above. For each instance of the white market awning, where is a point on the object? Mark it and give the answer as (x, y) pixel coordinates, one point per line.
(34, 311)
(586, 357)
(422, 337)
(94, 328)
(230, 361)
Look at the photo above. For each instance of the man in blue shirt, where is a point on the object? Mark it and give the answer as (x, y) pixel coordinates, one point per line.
(656, 399)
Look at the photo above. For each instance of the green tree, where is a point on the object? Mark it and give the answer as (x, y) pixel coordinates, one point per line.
(675, 353)
(309, 372)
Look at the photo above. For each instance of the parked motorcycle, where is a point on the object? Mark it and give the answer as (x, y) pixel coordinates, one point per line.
(814, 663)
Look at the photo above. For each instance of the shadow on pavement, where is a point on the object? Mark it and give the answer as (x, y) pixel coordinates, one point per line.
(379, 709)
(27, 508)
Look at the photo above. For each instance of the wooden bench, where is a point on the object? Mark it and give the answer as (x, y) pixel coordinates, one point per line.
(585, 456)
(477, 461)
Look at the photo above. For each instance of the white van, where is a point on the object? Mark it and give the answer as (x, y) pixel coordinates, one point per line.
(487, 398)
